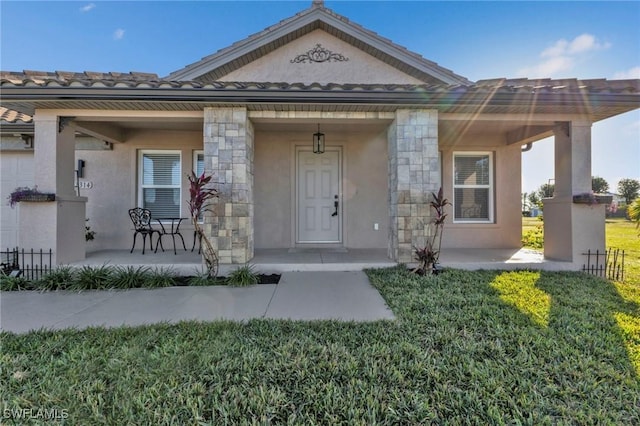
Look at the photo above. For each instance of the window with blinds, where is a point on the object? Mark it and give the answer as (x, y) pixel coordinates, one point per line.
(473, 187)
(160, 177)
(198, 162)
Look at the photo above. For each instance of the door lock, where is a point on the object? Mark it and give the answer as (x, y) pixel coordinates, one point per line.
(335, 204)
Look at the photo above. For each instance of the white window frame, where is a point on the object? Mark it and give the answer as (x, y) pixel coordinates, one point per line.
(197, 152)
(141, 185)
(490, 187)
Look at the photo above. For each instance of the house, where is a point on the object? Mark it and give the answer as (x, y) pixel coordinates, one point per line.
(396, 128)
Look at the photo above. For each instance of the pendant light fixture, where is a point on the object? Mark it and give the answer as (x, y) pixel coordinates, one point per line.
(318, 141)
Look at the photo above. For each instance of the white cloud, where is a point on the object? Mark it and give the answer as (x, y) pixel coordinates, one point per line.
(558, 49)
(628, 74)
(548, 68)
(118, 34)
(88, 7)
(586, 43)
(562, 56)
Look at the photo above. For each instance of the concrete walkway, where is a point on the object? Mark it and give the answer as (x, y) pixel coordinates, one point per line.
(345, 296)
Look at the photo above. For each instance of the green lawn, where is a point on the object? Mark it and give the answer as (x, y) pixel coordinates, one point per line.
(620, 234)
(485, 347)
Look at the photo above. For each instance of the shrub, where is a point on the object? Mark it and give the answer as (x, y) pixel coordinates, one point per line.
(9, 283)
(60, 278)
(163, 277)
(125, 277)
(92, 278)
(203, 278)
(533, 238)
(428, 255)
(243, 276)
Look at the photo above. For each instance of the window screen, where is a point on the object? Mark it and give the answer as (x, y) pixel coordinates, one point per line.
(160, 183)
(473, 192)
(198, 162)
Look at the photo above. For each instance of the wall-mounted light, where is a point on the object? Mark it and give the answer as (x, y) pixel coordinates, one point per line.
(318, 141)
(80, 170)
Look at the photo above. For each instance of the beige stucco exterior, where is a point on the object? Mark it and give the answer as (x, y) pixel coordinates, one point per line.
(357, 67)
(364, 185)
(506, 229)
(114, 178)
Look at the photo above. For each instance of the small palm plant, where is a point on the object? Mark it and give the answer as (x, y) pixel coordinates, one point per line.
(200, 196)
(428, 255)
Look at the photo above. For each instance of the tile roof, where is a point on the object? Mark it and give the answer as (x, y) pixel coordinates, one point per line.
(10, 116)
(87, 78)
(65, 79)
(596, 99)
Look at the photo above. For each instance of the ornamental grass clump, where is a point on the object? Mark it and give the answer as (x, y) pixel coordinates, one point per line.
(60, 278)
(162, 277)
(125, 277)
(92, 278)
(243, 276)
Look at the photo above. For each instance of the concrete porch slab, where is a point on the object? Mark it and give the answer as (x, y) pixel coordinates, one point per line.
(270, 261)
(506, 259)
(266, 261)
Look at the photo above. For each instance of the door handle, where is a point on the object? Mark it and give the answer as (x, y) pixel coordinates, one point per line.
(335, 204)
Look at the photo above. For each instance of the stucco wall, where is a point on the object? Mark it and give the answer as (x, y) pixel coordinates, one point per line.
(361, 67)
(114, 178)
(506, 231)
(16, 170)
(364, 187)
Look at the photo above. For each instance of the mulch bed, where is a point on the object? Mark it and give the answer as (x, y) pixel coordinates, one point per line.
(262, 279)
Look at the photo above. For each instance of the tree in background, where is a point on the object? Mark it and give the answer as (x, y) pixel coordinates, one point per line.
(599, 185)
(629, 189)
(634, 212)
(534, 199)
(546, 190)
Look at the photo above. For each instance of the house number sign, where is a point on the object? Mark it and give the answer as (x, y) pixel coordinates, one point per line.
(85, 184)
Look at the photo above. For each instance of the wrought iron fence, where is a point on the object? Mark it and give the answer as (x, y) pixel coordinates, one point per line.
(29, 264)
(608, 264)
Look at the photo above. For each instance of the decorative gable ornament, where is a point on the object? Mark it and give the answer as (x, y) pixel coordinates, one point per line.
(319, 54)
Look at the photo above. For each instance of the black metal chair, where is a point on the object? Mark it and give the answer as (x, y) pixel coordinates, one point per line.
(141, 219)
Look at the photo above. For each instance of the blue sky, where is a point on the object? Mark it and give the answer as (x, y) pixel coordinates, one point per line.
(479, 40)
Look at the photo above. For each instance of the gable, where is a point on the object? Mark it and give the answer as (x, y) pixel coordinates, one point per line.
(319, 57)
(223, 63)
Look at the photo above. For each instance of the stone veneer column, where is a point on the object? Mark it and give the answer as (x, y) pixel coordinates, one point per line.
(228, 156)
(414, 173)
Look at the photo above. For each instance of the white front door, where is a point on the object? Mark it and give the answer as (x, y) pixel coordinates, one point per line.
(319, 211)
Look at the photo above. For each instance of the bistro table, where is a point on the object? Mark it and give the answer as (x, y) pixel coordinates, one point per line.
(170, 226)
